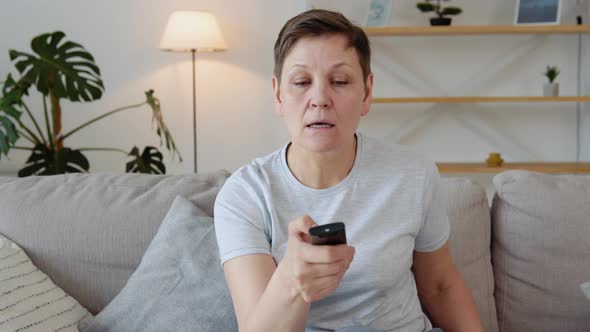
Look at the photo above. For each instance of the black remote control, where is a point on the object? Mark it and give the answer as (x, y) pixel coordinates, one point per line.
(329, 234)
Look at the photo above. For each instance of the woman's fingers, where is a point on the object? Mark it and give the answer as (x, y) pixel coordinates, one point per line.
(310, 271)
(325, 254)
(321, 293)
(319, 288)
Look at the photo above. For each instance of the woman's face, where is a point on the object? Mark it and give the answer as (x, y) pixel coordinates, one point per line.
(322, 94)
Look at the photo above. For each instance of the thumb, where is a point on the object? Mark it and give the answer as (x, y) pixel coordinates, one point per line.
(307, 223)
(300, 227)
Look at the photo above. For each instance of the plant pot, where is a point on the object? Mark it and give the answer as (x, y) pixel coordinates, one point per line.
(440, 21)
(551, 89)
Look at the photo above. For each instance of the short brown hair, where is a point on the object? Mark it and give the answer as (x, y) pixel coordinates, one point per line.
(317, 22)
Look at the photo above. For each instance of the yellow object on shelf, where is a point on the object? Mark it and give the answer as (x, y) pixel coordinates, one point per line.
(494, 160)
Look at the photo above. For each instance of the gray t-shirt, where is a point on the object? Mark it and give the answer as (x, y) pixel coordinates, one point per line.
(391, 203)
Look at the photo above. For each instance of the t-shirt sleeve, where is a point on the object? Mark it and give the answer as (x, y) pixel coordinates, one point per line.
(239, 220)
(435, 227)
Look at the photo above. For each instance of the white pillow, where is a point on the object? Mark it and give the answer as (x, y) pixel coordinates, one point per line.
(29, 300)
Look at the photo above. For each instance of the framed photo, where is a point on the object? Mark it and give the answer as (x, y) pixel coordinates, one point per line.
(537, 12)
(379, 13)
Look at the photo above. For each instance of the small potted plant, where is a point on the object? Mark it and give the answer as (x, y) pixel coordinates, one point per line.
(551, 88)
(428, 6)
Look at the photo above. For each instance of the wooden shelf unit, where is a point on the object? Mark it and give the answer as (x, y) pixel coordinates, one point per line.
(543, 167)
(481, 99)
(476, 30)
(462, 167)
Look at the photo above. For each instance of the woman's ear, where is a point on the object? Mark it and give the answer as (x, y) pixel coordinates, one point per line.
(368, 95)
(277, 95)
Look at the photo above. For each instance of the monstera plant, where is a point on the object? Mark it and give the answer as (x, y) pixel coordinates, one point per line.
(61, 69)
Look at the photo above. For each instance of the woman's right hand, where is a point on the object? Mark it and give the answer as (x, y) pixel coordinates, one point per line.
(312, 271)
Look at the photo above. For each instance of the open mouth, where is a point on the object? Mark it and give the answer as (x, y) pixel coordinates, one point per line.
(320, 125)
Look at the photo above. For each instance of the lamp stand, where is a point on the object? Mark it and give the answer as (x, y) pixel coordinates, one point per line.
(193, 51)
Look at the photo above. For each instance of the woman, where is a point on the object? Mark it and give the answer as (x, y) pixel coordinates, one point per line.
(389, 199)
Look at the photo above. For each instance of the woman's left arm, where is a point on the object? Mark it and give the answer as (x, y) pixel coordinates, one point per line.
(443, 292)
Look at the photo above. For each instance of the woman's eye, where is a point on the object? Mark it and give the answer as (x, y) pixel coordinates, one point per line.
(301, 83)
(340, 82)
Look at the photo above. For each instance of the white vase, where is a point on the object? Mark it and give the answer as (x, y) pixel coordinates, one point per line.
(551, 89)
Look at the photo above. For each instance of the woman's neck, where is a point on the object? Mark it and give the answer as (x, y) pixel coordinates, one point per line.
(321, 170)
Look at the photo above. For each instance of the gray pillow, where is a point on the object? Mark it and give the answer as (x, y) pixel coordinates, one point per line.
(541, 251)
(469, 243)
(88, 232)
(179, 284)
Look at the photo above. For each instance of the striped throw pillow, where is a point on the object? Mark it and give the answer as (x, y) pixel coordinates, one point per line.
(29, 300)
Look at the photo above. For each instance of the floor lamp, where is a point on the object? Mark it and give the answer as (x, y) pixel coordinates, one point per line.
(192, 31)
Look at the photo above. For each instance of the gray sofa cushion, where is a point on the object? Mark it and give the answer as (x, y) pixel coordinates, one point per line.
(179, 285)
(89, 231)
(541, 251)
(469, 215)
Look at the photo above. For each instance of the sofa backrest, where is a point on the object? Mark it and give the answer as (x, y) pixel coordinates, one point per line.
(90, 231)
(469, 216)
(541, 251)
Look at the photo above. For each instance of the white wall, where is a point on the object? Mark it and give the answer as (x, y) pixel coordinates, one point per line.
(234, 102)
(235, 114)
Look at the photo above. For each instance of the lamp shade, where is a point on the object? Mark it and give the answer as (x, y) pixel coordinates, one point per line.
(192, 30)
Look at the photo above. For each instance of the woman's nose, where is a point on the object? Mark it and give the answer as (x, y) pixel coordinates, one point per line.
(320, 97)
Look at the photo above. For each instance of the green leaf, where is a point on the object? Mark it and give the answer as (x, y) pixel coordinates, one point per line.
(8, 106)
(425, 7)
(9, 129)
(12, 93)
(4, 143)
(9, 114)
(19, 88)
(66, 67)
(450, 11)
(150, 161)
(162, 129)
(44, 161)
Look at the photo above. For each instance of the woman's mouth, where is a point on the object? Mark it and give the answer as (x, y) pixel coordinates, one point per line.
(320, 125)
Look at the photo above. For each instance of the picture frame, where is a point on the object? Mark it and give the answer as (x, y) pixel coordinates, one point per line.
(379, 13)
(538, 12)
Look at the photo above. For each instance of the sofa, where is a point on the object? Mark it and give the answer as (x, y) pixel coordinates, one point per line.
(110, 241)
